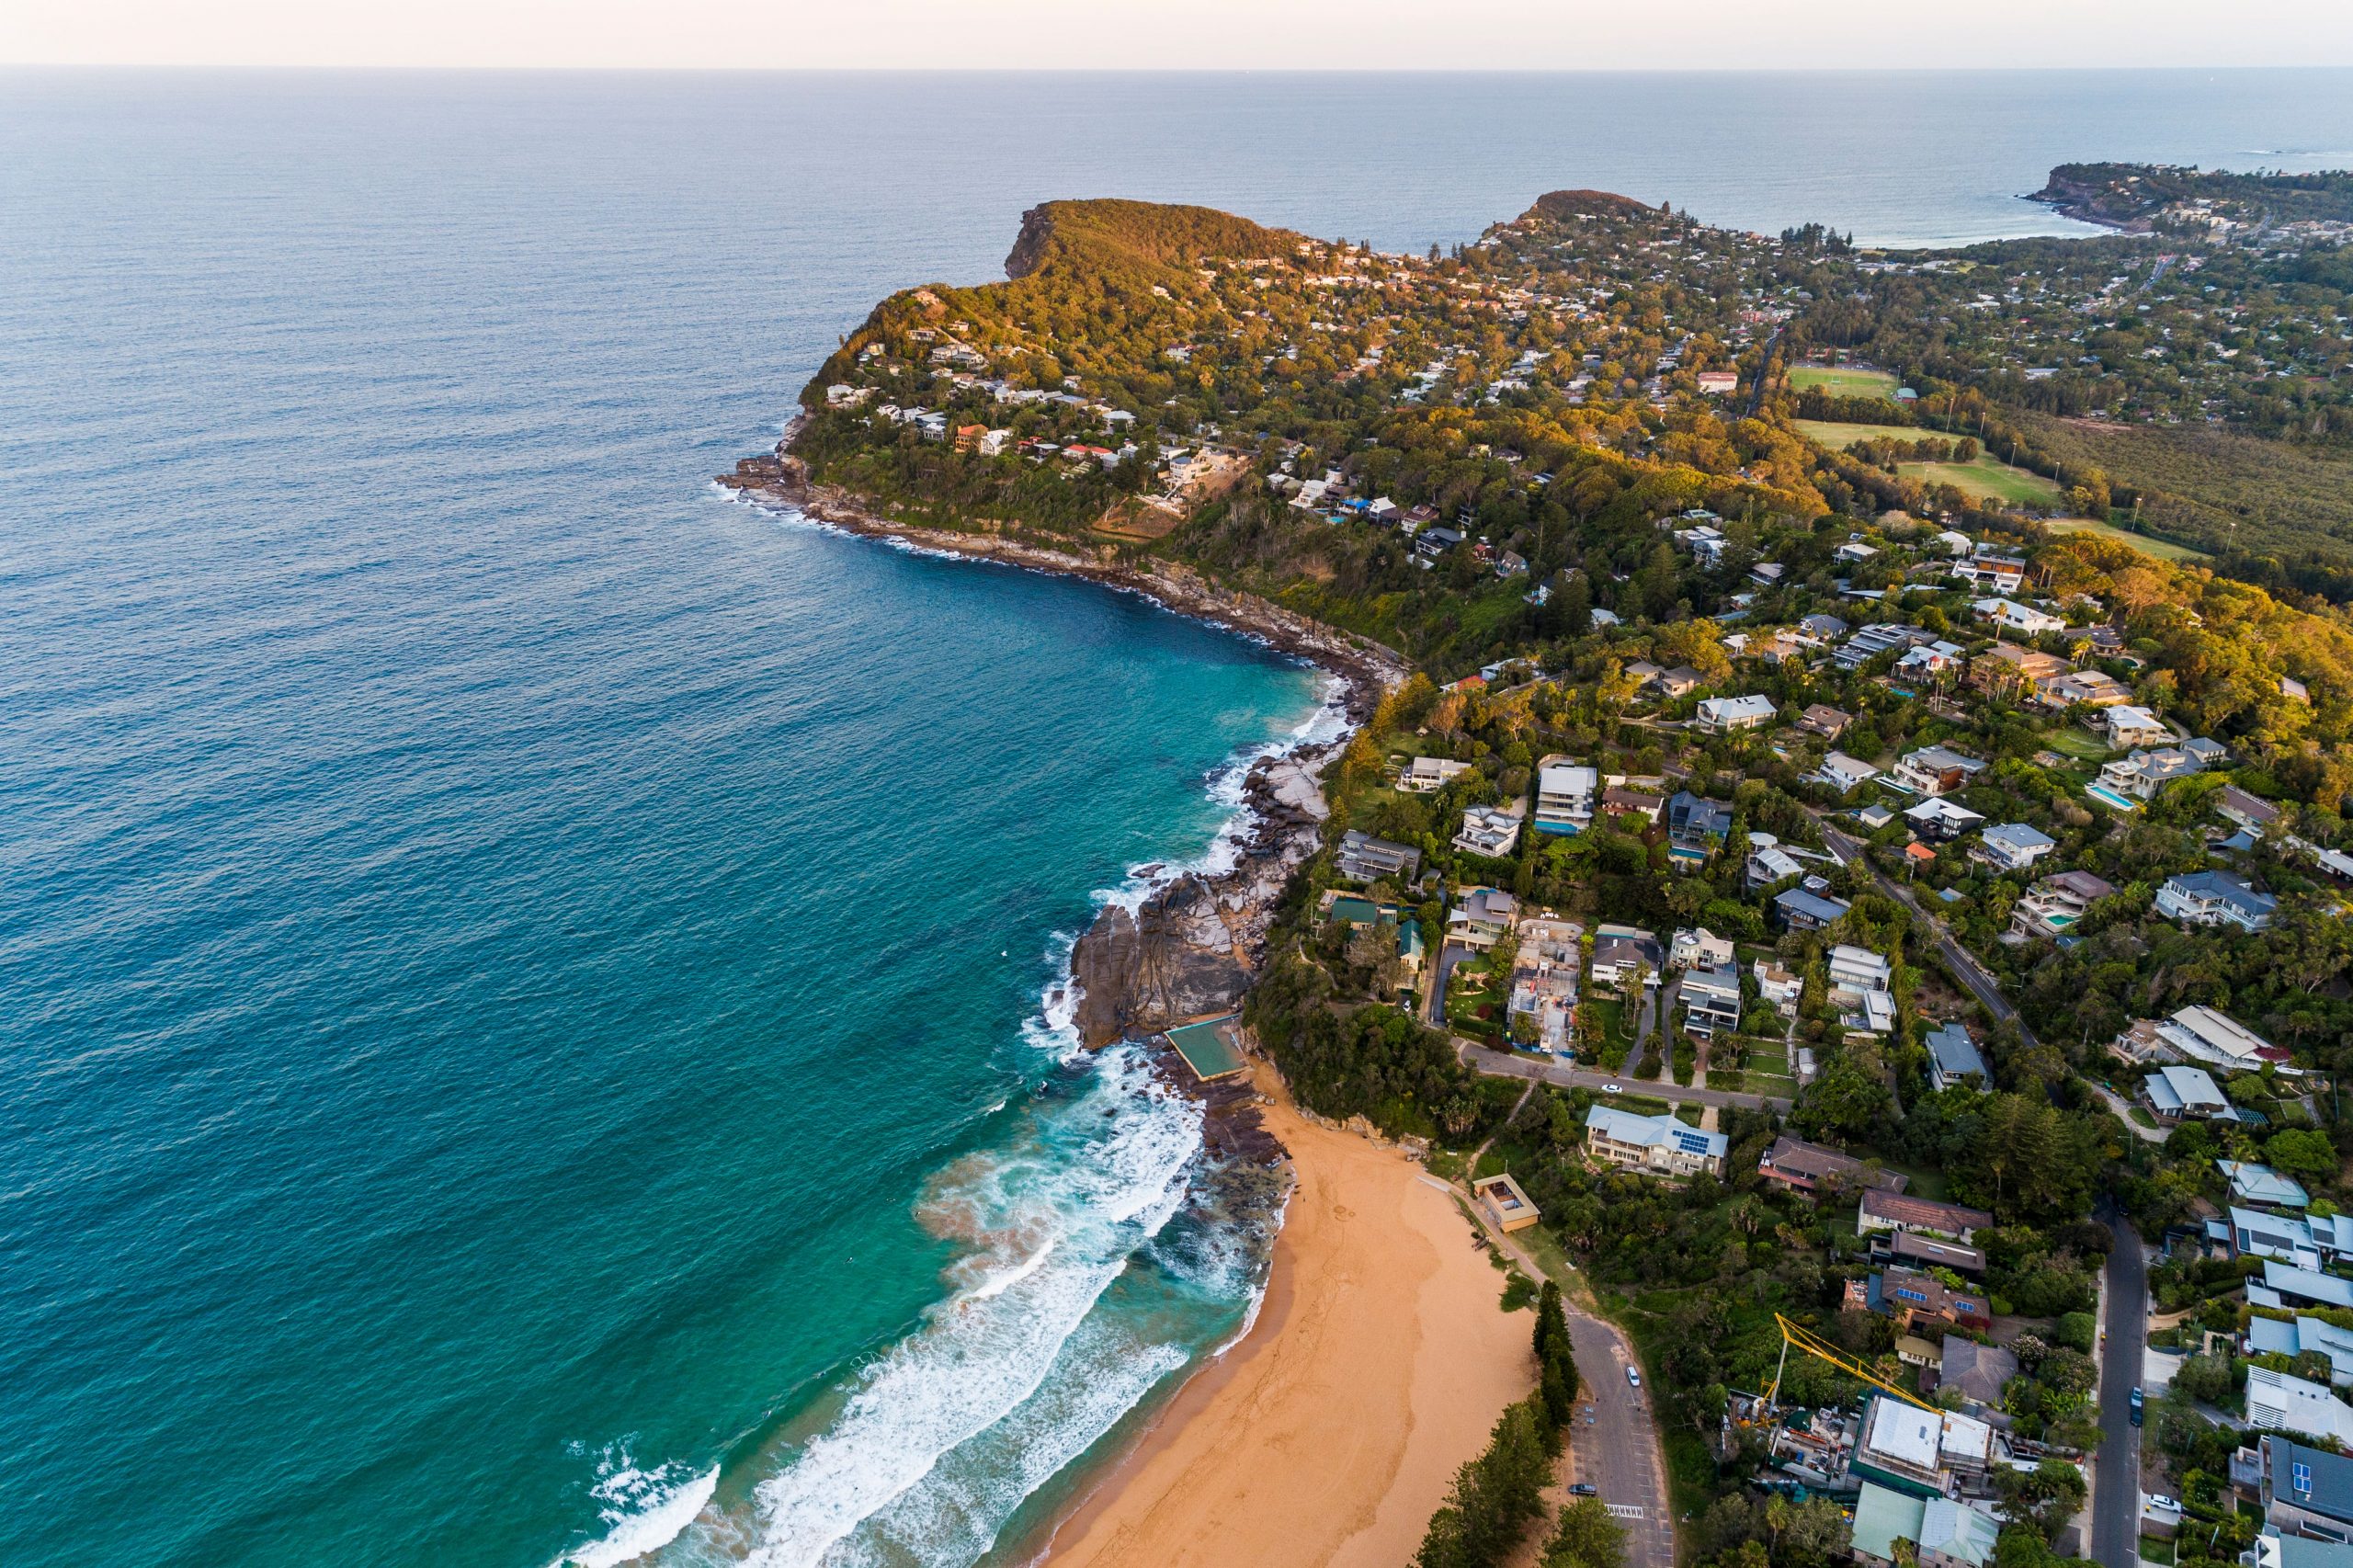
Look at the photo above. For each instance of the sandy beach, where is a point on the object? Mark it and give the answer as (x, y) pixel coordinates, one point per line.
(1330, 1434)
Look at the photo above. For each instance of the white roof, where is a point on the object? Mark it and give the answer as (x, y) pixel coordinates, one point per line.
(1739, 707)
(2219, 1036)
(1904, 1432)
(2124, 716)
(1566, 778)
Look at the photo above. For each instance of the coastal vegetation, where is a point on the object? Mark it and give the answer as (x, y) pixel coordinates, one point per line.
(2011, 496)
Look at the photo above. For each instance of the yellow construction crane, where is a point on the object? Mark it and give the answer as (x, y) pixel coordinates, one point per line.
(1821, 1349)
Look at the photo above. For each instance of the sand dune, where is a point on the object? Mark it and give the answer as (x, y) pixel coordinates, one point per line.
(1329, 1436)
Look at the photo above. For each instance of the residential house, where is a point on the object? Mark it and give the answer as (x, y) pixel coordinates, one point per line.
(2054, 904)
(1933, 770)
(1483, 919)
(1711, 998)
(1544, 981)
(2011, 846)
(2126, 725)
(2286, 1285)
(1723, 715)
(1953, 1059)
(2180, 1094)
(1925, 1252)
(2278, 1403)
(1696, 828)
(1861, 988)
(1943, 1533)
(1652, 1145)
(2008, 615)
(2260, 1186)
(2095, 690)
(1853, 549)
(1767, 864)
(1364, 859)
(1822, 629)
(1821, 719)
(1941, 820)
(2198, 1034)
(1698, 948)
(1809, 1169)
(1913, 1298)
(1680, 681)
(1902, 1212)
(2304, 1491)
(2216, 898)
(1976, 1372)
(1802, 909)
(1426, 775)
(1777, 986)
(1843, 773)
(2244, 810)
(1564, 793)
(1929, 662)
(1618, 951)
(2307, 1241)
(1881, 637)
(2140, 777)
(2269, 1337)
(1631, 803)
(1491, 831)
(2006, 666)
(1991, 572)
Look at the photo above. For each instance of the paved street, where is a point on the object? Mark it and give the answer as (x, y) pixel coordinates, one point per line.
(2116, 1489)
(1958, 961)
(1502, 1064)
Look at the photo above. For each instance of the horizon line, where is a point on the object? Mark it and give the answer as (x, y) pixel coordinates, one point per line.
(511, 68)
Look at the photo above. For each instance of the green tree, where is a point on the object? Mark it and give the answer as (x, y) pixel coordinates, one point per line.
(1585, 1537)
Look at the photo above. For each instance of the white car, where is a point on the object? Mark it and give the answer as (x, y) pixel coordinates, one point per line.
(1611, 1089)
(1633, 1378)
(2164, 1503)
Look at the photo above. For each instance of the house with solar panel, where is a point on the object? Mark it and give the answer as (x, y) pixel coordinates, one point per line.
(1652, 1145)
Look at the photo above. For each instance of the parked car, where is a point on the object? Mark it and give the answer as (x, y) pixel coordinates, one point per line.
(1611, 1089)
(2164, 1503)
(1635, 1378)
(1583, 1489)
(2136, 1407)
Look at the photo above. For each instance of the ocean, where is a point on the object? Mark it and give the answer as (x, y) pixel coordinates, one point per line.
(531, 1007)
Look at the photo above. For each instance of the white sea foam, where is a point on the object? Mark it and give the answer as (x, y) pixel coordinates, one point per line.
(643, 1510)
(955, 1514)
(980, 1357)
(997, 1285)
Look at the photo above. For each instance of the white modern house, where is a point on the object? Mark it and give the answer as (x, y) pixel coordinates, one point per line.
(2011, 846)
(1941, 819)
(1491, 831)
(2214, 898)
(1711, 998)
(1426, 775)
(1862, 988)
(1723, 715)
(1843, 773)
(2129, 726)
(2008, 615)
(1564, 793)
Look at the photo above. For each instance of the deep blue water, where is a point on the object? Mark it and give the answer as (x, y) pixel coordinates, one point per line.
(525, 986)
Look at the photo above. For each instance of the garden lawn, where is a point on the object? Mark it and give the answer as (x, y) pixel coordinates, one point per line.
(2164, 550)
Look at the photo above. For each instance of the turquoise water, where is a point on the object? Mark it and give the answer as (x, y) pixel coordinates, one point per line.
(527, 991)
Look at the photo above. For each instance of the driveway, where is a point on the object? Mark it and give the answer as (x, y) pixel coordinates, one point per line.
(1503, 1064)
(2116, 1485)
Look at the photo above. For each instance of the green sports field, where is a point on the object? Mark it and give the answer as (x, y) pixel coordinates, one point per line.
(1987, 479)
(1843, 382)
(2162, 549)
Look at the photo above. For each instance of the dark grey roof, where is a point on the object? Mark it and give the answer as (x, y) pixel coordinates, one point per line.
(1976, 1371)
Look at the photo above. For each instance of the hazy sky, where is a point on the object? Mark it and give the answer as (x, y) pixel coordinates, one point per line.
(1163, 34)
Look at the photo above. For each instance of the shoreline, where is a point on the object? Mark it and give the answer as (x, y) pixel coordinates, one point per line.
(1366, 667)
(1372, 1259)
(1329, 1430)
